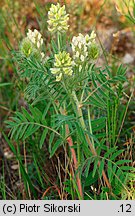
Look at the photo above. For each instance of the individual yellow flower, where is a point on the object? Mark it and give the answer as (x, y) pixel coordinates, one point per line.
(57, 19)
(62, 65)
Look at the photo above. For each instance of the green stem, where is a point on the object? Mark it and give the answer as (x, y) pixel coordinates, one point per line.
(92, 148)
(90, 126)
(58, 40)
(79, 111)
(80, 115)
(85, 85)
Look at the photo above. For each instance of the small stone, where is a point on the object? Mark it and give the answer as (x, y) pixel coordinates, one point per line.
(128, 58)
(15, 167)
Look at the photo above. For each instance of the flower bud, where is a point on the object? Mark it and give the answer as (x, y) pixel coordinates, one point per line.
(36, 54)
(93, 51)
(26, 47)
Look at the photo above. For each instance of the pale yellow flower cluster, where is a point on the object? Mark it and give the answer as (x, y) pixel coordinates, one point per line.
(35, 37)
(62, 65)
(57, 19)
(79, 49)
(32, 44)
(82, 47)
